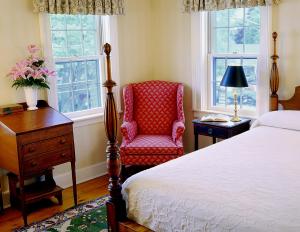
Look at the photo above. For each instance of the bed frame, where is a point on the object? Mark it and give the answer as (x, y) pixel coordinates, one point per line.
(116, 208)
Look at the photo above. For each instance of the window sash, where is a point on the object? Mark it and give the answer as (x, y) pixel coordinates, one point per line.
(103, 35)
(209, 83)
(211, 55)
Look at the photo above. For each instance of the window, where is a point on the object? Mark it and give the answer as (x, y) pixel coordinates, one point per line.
(75, 48)
(233, 39)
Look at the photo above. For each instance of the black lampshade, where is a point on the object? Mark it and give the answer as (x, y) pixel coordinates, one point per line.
(234, 77)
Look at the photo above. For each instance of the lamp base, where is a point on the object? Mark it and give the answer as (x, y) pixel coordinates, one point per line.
(235, 119)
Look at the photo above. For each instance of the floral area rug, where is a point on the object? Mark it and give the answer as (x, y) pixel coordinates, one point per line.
(87, 217)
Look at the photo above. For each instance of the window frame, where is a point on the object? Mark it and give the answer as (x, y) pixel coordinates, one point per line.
(106, 29)
(202, 66)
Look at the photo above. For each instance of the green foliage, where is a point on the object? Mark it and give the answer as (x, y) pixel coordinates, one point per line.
(39, 83)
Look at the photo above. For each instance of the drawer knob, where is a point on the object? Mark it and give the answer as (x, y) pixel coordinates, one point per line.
(210, 131)
(33, 164)
(31, 149)
(63, 155)
(62, 141)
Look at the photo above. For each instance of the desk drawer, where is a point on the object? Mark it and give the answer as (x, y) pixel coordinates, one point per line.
(44, 134)
(35, 163)
(48, 145)
(217, 132)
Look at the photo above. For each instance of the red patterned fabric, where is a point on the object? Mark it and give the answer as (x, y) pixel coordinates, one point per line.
(178, 129)
(155, 107)
(153, 123)
(129, 130)
(152, 144)
(128, 103)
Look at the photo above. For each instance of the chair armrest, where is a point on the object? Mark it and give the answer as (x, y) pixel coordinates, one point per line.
(177, 131)
(129, 130)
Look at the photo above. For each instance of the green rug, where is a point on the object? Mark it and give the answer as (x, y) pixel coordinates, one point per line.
(87, 217)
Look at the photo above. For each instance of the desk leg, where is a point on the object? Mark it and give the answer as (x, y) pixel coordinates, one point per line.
(214, 140)
(196, 142)
(74, 182)
(23, 204)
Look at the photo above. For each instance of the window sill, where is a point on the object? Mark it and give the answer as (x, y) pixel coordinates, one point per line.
(88, 120)
(252, 117)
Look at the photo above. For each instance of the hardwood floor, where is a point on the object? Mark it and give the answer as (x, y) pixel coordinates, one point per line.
(90, 190)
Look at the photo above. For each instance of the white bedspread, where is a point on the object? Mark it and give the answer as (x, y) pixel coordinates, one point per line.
(248, 183)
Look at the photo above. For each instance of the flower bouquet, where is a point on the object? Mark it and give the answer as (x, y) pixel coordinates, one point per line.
(31, 74)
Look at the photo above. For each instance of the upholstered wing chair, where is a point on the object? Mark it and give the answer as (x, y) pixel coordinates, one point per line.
(153, 123)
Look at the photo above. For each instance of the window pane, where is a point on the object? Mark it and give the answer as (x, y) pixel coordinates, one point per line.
(236, 17)
(233, 62)
(92, 71)
(221, 18)
(80, 97)
(221, 40)
(79, 72)
(59, 43)
(94, 95)
(58, 22)
(74, 38)
(236, 40)
(250, 69)
(88, 22)
(252, 39)
(65, 103)
(89, 43)
(63, 71)
(219, 69)
(73, 22)
(252, 17)
(219, 95)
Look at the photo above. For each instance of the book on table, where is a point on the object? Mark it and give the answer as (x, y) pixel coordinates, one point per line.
(215, 118)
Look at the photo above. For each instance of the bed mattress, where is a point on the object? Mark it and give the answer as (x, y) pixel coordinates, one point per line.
(250, 182)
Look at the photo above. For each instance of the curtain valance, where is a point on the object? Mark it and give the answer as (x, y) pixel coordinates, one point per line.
(93, 7)
(211, 5)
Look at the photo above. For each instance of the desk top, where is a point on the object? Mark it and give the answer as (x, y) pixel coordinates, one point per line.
(28, 121)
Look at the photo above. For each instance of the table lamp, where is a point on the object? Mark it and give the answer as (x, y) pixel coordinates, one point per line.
(234, 77)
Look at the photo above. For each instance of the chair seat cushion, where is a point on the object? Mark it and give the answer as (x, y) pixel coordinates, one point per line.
(151, 144)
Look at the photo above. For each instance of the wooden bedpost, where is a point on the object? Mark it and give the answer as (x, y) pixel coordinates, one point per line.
(116, 209)
(274, 80)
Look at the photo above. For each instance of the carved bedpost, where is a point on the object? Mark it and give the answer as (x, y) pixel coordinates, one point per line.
(116, 209)
(274, 80)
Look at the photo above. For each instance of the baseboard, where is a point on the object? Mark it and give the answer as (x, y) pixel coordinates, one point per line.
(65, 180)
(83, 174)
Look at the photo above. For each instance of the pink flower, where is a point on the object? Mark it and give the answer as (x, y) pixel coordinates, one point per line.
(21, 70)
(37, 74)
(48, 73)
(33, 49)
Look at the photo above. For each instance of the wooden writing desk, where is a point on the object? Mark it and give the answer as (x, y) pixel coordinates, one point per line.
(31, 144)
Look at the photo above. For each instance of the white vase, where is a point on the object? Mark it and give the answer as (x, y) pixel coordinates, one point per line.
(31, 97)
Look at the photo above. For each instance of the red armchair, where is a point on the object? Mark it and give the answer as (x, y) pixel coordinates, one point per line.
(153, 123)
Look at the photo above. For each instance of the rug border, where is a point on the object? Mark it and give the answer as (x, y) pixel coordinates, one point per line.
(24, 228)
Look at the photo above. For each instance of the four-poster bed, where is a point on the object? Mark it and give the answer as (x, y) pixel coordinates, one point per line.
(144, 184)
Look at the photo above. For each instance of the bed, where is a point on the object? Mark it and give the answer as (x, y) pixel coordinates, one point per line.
(248, 183)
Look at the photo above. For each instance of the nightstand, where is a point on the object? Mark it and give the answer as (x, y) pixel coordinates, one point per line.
(222, 130)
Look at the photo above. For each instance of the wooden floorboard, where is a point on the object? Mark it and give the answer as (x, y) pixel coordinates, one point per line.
(90, 190)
